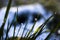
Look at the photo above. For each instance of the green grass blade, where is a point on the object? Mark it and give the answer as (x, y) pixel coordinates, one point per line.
(10, 25)
(52, 31)
(7, 30)
(15, 17)
(24, 30)
(5, 18)
(18, 30)
(41, 27)
(31, 29)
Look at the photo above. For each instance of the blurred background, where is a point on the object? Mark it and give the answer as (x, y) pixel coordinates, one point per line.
(29, 19)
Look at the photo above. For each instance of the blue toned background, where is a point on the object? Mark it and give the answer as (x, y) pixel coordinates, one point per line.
(30, 9)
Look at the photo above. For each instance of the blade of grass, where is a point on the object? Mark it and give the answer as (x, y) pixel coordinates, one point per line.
(24, 30)
(41, 27)
(33, 35)
(16, 20)
(45, 31)
(10, 25)
(5, 18)
(18, 30)
(32, 26)
(31, 29)
(20, 24)
(14, 30)
(52, 31)
(7, 30)
(15, 17)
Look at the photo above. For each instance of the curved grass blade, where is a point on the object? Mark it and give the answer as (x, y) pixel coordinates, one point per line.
(41, 28)
(34, 25)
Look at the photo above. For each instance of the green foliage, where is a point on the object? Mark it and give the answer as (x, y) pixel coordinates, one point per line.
(51, 5)
(40, 29)
(17, 38)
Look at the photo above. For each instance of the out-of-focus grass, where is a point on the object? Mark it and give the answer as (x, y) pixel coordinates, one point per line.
(40, 29)
(52, 31)
(28, 37)
(17, 38)
(31, 29)
(5, 18)
(10, 25)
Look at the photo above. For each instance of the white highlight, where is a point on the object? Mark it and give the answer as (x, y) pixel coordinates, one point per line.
(59, 31)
